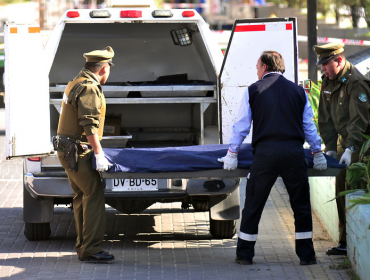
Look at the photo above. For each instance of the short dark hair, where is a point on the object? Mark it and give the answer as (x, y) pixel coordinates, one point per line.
(274, 61)
(94, 66)
(342, 55)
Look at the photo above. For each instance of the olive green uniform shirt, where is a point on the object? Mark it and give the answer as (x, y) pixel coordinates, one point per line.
(86, 97)
(344, 109)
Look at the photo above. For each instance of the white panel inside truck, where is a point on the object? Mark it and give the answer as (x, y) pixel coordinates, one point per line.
(248, 40)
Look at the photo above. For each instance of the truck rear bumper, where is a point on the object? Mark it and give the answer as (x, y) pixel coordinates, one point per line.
(208, 174)
(48, 186)
(56, 184)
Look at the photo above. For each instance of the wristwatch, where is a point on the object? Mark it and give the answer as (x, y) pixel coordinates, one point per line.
(352, 149)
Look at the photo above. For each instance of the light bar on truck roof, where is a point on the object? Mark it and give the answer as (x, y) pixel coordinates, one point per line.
(73, 14)
(162, 13)
(188, 13)
(131, 14)
(100, 14)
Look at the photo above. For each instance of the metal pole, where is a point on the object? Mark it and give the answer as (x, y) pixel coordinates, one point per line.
(312, 39)
(41, 14)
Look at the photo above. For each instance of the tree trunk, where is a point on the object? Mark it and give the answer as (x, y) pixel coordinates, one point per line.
(355, 14)
(367, 12)
(337, 14)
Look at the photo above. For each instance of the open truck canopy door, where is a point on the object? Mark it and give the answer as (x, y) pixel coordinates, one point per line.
(249, 38)
(26, 92)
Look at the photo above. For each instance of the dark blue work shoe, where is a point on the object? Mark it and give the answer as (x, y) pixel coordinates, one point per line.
(310, 262)
(243, 262)
(101, 257)
(340, 250)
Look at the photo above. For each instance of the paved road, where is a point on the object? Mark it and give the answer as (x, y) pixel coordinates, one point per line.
(163, 242)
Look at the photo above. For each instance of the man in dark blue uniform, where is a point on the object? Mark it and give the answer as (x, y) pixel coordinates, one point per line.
(282, 120)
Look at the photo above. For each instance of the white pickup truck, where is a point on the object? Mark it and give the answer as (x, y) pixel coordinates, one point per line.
(171, 86)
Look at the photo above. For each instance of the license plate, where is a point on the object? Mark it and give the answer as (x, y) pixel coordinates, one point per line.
(132, 185)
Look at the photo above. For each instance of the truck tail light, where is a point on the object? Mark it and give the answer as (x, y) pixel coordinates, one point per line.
(34, 158)
(73, 14)
(188, 14)
(131, 14)
(162, 13)
(100, 14)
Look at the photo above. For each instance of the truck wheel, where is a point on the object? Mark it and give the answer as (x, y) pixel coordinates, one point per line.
(200, 205)
(222, 229)
(37, 231)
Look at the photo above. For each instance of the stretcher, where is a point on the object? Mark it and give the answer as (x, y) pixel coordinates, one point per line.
(191, 162)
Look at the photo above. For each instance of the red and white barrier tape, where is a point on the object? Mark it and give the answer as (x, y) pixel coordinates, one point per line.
(336, 40)
(304, 39)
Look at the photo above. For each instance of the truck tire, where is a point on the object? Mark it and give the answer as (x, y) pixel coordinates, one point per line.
(200, 205)
(37, 231)
(222, 229)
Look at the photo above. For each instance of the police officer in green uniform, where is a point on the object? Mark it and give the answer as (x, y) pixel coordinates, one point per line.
(343, 116)
(81, 122)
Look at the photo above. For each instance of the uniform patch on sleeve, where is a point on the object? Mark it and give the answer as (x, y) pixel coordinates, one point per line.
(362, 97)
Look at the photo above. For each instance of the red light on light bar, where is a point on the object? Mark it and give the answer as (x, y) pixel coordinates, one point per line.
(34, 158)
(131, 14)
(188, 14)
(73, 14)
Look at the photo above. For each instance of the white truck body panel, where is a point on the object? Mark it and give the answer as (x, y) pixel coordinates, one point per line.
(248, 40)
(27, 93)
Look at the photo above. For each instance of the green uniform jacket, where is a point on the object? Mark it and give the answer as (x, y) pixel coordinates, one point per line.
(87, 97)
(344, 109)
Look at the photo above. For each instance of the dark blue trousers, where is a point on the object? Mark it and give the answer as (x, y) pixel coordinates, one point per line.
(273, 159)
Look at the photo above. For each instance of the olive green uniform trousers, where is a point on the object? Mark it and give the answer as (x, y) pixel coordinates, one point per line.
(340, 186)
(88, 204)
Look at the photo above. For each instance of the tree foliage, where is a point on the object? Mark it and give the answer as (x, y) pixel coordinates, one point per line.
(6, 2)
(356, 8)
(290, 3)
(159, 3)
(323, 6)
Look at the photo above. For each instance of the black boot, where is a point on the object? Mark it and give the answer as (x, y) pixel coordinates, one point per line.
(340, 250)
(101, 257)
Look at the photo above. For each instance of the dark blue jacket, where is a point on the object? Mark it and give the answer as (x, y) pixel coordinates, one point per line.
(277, 109)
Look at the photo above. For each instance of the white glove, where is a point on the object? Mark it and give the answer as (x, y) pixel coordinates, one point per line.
(332, 154)
(319, 161)
(346, 157)
(102, 164)
(230, 161)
